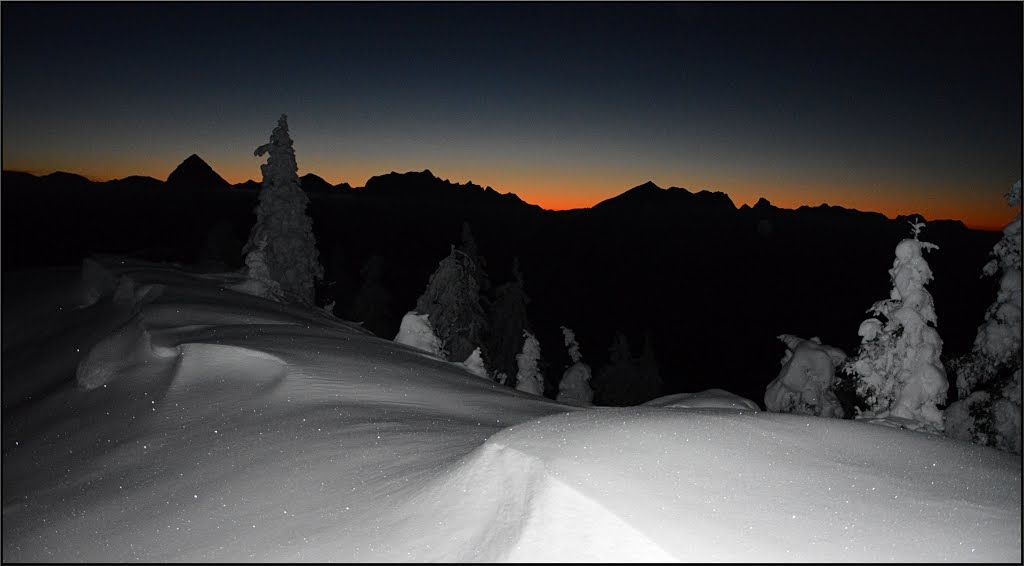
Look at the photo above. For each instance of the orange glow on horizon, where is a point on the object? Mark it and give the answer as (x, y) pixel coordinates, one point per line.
(558, 191)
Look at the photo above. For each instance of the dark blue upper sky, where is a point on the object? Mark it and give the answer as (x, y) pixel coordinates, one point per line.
(894, 107)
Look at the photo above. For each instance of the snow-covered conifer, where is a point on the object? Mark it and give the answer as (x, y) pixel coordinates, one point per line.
(805, 383)
(529, 378)
(452, 299)
(475, 364)
(988, 380)
(574, 388)
(290, 253)
(416, 331)
(897, 369)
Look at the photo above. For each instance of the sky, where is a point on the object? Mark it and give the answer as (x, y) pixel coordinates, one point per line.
(892, 107)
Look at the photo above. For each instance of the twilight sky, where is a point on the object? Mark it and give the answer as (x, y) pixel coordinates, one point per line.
(893, 107)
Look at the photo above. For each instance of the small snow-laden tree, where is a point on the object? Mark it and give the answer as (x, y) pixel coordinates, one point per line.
(290, 252)
(574, 388)
(529, 378)
(508, 321)
(805, 383)
(475, 364)
(897, 369)
(988, 379)
(416, 331)
(452, 299)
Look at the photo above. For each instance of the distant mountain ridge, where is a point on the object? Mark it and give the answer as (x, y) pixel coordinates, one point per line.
(648, 199)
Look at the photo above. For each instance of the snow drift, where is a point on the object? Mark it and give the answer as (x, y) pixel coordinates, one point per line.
(211, 425)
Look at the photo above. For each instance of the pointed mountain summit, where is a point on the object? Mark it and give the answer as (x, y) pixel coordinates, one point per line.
(194, 173)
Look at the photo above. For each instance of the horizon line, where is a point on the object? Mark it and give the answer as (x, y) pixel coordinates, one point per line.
(94, 179)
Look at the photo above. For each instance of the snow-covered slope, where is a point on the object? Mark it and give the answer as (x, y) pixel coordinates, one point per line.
(206, 424)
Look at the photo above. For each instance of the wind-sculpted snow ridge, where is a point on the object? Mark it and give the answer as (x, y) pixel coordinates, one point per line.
(225, 427)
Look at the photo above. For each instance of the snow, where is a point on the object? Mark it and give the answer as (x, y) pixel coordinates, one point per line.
(218, 426)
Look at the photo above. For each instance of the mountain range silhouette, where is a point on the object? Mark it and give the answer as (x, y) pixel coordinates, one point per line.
(712, 284)
(194, 174)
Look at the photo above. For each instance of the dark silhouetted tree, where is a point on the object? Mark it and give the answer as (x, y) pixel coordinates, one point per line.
(372, 305)
(626, 381)
(508, 320)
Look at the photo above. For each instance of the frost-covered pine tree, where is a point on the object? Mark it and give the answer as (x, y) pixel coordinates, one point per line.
(897, 368)
(529, 378)
(452, 299)
(289, 252)
(574, 389)
(508, 321)
(988, 380)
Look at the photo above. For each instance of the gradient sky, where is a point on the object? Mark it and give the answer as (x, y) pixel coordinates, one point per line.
(892, 107)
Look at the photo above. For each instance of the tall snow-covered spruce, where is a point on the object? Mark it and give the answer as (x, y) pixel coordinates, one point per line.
(283, 233)
(897, 369)
(988, 379)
